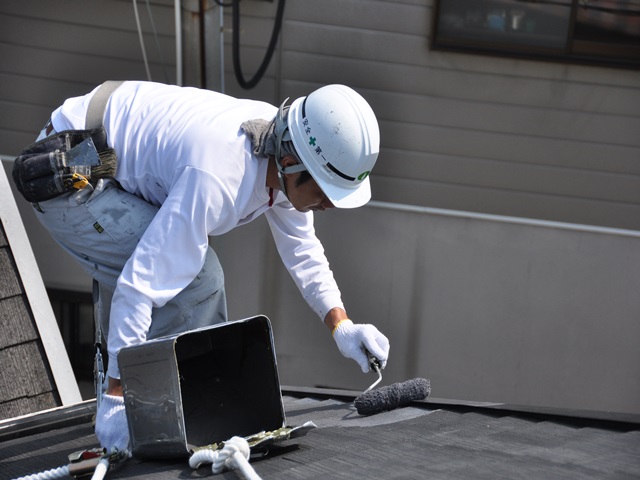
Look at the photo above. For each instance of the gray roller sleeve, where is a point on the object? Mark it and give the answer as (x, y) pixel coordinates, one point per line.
(392, 396)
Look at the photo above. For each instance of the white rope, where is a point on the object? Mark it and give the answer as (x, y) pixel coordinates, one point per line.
(60, 472)
(242, 464)
(101, 469)
(234, 455)
(202, 456)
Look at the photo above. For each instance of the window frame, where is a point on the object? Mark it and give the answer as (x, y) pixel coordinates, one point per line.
(574, 49)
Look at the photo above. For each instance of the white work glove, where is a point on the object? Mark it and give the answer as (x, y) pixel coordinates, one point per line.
(112, 429)
(353, 339)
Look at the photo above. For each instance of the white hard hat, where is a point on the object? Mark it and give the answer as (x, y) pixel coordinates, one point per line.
(336, 135)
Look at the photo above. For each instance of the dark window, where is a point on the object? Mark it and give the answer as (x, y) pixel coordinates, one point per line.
(74, 313)
(585, 31)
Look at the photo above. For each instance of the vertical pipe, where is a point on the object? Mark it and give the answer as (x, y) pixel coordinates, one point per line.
(178, 18)
(202, 8)
(572, 25)
(221, 48)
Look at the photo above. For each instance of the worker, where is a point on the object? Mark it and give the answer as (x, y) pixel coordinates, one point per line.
(191, 164)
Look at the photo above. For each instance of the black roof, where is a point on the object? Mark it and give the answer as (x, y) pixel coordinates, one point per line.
(430, 439)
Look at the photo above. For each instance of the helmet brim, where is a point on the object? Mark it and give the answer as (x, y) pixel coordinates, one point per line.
(347, 198)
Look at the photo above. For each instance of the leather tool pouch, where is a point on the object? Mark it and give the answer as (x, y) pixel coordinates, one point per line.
(61, 163)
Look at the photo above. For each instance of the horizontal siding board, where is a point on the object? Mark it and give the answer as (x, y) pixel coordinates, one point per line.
(395, 17)
(414, 50)
(494, 86)
(541, 93)
(250, 60)
(462, 85)
(549, 180)
(65, 65)
(254, 31)
(87, 40)
(27, 118)
(354, 43)
(507, 202)
(508, 119)
(115, 15)
(263, 91)
(505, 147)
(519, 67)
(250, 9)
(13, 142)
(37, 91)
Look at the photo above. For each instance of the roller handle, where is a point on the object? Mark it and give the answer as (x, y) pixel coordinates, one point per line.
(374, 363)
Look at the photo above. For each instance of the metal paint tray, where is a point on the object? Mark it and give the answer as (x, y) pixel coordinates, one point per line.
(200, 387)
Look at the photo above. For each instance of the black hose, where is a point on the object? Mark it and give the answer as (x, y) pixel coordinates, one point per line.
(268, 54)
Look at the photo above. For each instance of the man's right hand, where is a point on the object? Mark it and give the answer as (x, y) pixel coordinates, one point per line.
(355, 340)
(112, 429)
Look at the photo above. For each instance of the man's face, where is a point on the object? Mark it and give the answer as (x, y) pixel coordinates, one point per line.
(307, 196)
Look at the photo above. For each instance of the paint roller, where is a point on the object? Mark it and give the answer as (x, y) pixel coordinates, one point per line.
(390, 397)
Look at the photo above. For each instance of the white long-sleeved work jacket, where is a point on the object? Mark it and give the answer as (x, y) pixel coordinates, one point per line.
(183, 150)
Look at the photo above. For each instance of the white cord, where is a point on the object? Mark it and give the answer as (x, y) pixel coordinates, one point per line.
(155, 37)
(144, 50)
(60, 472)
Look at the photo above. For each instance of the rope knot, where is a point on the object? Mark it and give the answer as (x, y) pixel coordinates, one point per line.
(227, 457)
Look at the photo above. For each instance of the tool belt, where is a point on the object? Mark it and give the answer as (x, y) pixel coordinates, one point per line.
(69, 160)
(63, 162)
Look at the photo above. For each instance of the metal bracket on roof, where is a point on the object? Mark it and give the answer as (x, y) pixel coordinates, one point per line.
(263, 439)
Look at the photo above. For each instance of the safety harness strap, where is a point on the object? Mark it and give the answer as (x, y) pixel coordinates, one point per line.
(94, 119)
(98, 104)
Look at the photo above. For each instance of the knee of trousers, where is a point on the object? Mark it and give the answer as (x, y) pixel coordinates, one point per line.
(209, 280)
(102, 297)
(200, 304)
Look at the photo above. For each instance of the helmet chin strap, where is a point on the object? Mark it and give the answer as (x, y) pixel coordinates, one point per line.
(282, 134)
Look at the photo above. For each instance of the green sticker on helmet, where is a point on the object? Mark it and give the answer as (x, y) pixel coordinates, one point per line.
(364, 175)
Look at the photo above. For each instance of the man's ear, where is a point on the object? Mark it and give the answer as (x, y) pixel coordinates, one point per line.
(289, 160)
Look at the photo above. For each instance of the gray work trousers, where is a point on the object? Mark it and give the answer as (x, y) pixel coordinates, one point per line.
(100, 227)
